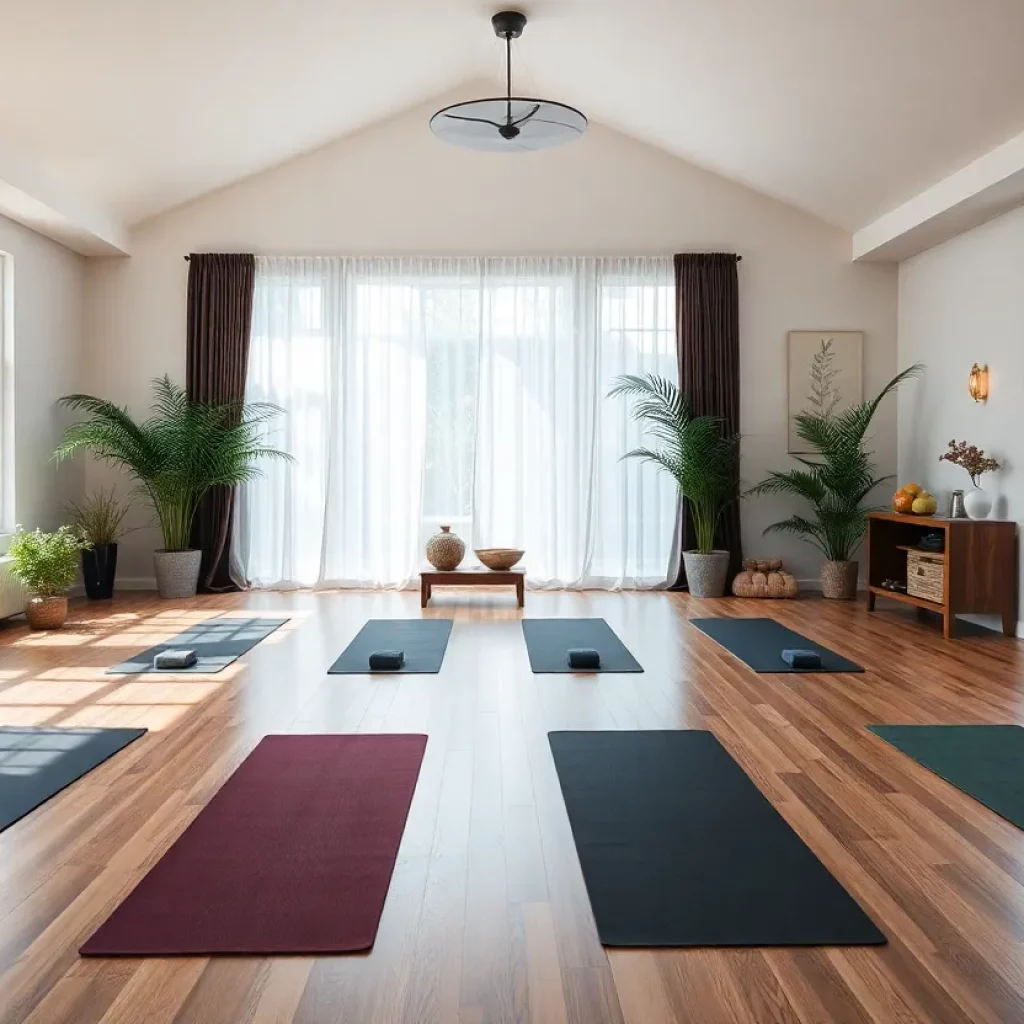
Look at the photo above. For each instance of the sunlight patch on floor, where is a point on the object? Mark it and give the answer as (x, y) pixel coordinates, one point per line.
(40, 692)
(126, 716)
(162, 692)
(29, 715)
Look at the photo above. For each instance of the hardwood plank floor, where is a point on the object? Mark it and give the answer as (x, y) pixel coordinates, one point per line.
(487, 919)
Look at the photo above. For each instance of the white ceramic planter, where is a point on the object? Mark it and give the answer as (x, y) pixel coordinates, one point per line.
(177, 572)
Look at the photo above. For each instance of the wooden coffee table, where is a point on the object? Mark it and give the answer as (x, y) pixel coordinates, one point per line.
(431, 578)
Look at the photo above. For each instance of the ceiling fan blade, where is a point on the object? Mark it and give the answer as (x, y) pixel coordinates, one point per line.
(478, 120)
(561, 124)
(526, 117)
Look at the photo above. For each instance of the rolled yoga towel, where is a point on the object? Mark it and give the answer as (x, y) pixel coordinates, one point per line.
(802, 659)
(387, 661)
(584, 657)
(176, 657)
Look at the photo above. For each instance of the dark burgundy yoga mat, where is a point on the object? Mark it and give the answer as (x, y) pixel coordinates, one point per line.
(294, 854)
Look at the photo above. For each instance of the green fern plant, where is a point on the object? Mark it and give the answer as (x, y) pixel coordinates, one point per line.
(693, 450)
(46, 564)
(838, 481)
(182, 450)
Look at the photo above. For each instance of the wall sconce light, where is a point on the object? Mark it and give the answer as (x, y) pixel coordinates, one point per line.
(977, 383)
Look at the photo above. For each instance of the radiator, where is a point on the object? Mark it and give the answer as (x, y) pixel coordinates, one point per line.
(12, 596)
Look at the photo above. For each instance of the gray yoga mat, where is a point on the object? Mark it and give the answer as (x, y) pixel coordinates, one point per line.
(548, 642)
(423, 641)
(760, 643)
(217, 643)
(36, 764)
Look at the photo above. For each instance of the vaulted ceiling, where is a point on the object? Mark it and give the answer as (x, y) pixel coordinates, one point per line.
(844, 108)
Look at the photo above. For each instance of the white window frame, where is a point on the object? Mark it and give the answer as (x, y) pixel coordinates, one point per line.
(7, 509)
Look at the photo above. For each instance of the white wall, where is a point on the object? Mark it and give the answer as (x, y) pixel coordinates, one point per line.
(48, 353)
(961, 303)
(395, 190)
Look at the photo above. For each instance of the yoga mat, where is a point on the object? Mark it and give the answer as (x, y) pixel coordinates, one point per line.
(548, 642)
(679, 848)
(983, 761)
(424, 642)
(294, 854)
(36, 764)
(217, 643)
(760, 643)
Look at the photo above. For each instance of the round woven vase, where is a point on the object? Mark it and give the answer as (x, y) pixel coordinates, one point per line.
(46, 612)
(445, 550)
(839, 580)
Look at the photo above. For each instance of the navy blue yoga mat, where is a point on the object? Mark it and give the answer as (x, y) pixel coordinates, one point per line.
(423, 641)
(548, 642)
(759, 643)
(217, 643)
(679, 848)
(983, 761)
(36, 764)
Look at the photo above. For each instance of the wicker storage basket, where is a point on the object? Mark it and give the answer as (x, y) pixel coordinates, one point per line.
(764, 579)
(926, 572)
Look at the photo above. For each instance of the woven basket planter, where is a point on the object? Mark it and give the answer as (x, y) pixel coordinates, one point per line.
(46, 612)
(839, 580)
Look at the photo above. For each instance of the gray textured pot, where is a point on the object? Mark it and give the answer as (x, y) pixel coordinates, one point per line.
(177, 572)
(706, 574)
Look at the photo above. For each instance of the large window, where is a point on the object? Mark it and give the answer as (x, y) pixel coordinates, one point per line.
(462, 391)
(7, 513)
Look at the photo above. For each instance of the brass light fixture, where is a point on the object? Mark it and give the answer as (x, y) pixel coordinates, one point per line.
(977, 383)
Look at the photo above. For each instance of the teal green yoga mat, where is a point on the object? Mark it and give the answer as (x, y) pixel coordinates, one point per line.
(983, 761)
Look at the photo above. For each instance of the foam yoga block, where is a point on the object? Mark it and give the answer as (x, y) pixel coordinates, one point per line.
(802, 659)
(584, 657)
(387, 661)
(174, 658)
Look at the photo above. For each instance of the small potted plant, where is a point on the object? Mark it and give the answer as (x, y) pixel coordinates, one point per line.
(977, 502)
(99, 519)
(46, 565)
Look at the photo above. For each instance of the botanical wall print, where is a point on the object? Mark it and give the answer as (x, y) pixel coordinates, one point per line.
(825, 376)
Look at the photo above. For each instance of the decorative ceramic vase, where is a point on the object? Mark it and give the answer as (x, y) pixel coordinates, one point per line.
(99, 567)
(839, 580)
(977, 503)
(46, 612)
(706, 574)
(177, 572)
(445, 550)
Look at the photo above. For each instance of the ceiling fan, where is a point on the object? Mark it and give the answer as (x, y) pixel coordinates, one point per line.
(509, 123)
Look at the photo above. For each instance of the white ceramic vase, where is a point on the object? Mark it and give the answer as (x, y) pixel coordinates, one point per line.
(977, 503)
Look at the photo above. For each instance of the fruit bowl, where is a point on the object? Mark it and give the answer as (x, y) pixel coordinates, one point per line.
(499, 559)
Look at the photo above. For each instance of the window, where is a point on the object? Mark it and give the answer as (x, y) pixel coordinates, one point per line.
(461, 391)
(7, 513)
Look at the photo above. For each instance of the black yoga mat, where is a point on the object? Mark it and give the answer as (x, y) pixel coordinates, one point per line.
(217, 643)
(760, 643)
(424, 642)
(36, 764)
(983, 761)
(548, 642)
(679, 848)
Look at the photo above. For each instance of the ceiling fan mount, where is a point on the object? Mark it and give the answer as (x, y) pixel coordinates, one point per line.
(509, 24)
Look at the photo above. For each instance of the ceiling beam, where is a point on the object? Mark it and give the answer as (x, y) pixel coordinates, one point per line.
(990, 186)
(30, 197)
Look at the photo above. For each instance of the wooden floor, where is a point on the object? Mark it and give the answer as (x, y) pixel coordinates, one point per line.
(487, 918)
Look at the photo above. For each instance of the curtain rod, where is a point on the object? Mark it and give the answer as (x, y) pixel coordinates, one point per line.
(738, 258)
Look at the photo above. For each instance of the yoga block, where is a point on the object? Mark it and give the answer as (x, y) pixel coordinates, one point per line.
(175, 658)
(802, 659)
(387, 661)
(584, 657)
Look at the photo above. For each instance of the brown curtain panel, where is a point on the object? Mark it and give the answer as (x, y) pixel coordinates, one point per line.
(220, 294)
(708, 345)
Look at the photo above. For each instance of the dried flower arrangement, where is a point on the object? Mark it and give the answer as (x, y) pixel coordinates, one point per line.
(971, 458)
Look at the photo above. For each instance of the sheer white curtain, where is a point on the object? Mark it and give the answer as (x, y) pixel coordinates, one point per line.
(465, 391)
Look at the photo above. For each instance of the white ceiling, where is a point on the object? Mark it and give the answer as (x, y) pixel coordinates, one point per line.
(845, 108)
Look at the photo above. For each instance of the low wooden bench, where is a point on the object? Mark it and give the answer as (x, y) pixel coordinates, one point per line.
(473, 578)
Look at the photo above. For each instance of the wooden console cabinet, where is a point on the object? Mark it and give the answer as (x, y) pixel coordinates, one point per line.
(979, 565)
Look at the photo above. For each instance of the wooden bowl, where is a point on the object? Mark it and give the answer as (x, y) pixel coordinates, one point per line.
(499, 559)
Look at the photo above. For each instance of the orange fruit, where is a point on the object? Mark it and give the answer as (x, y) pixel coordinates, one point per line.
(902, 502)
(912, 489)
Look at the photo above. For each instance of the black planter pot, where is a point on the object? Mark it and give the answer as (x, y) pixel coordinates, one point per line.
(99, 567)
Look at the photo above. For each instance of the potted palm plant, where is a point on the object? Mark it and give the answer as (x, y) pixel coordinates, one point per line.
(182, 450)
(703, 461)
(99, 519)
(46, 565)
(836, 484)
